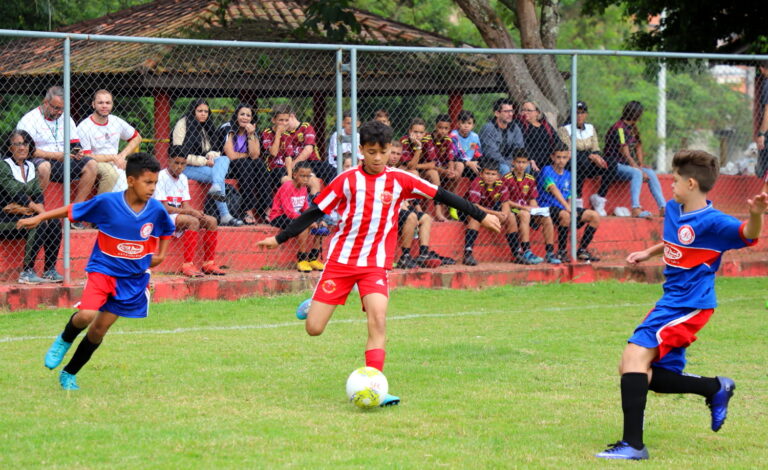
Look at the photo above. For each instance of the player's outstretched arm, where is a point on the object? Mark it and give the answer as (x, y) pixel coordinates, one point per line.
(32, 222)
(757, 206)
(299, 224)
(489, 221)
(646, 254)
(269, 242)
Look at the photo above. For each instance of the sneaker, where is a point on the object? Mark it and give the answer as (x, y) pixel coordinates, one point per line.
(211, 268)
(56, 353)
(389, 400)
(598, 204)
(231, 222)
(453, 214)
(78, 226)
(68, 381)
(29, 277)
(640, 213)
(304, 266)
(622, 450)
(444, 259)
(189, 270)
(321, 231)
(52, 276)
(585, 255)
(469, 260)
(718, 403)
(316, 265)
(303, 309)
(406, 261)
(528, 258)
(216, 195)
(429, 260)
(552, 259)
(564, 256)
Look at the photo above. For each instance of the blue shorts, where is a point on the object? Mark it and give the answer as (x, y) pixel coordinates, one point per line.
(672, 330)
(123, 296)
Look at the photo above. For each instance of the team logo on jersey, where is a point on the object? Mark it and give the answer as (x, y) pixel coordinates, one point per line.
(329, 286)
(672, 253)
(386, 198)
(686, 235)
(146, 230)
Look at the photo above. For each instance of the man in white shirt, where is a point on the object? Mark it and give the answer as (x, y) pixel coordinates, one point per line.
(100, 135)
(46, 126)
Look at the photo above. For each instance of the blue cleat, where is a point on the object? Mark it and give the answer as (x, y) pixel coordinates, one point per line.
(718, 403)
(303, 310)
(528, 258)
(56, 353)
(390, 400)
(68, 381)
(622, 450)
(552, 259)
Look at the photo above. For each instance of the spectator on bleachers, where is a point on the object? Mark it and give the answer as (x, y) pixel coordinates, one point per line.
(382, 115)
(538, 135)
(193, 138)
(412, 220)
(305, 149)
(21, 197)
(173, 191)
(46, 126)
(290, 201)
(467, 145)
(439, 144)
(396, 156)
(241, 146)
(523, 204)
(100, 135)
(554, 187)
(624, 149)
(417, 156)
(589, 160)
(490, 194)
(501, 136)
(346, 140)
(277, 149)
(761, 169)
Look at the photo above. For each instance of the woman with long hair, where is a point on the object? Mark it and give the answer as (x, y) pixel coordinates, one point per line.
(242, 147)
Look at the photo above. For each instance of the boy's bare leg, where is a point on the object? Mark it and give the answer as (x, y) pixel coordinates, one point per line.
(376, 309)
(318, 317)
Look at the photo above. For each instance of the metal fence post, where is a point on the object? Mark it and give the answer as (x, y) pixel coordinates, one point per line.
(353, 103)
(67, 164)
(339, 108)
(574, 129)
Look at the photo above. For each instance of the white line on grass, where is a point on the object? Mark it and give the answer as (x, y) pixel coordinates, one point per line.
(13, 339)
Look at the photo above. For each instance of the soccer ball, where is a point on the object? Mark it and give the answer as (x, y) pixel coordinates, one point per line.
(366, 387)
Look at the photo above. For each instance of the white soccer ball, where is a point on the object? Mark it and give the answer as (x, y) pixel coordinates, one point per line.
(366, 387)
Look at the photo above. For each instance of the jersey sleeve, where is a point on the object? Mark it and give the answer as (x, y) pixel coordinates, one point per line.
(164, 226)
(93, 210)
(161, 193)
(474, 194)
(85, 137)
(267, 138)
(730, 232)
(127, 131)
(547, 178)
(186, 196)
(309, 135)
(534, 191)
(417, 187)
(330, 197)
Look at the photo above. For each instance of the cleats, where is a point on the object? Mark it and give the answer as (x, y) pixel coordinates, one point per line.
(527, 258)
(444, 259)
(453, 214)
(406, 261)
(316, 265)
(429, 260)
(622, 450)
(304, 266)
(68, 381)
(303, 309)
(389, 400)
(585, 255)
(718, 403)
(469, 260)
(552, 259)
(56, 353)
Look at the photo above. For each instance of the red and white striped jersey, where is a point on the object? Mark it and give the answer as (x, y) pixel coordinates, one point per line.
(368, 206)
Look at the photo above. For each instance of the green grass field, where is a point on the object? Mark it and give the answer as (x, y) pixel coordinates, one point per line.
(500, 378)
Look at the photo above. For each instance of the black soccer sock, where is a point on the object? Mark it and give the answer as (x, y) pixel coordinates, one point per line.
(469, 239)
(634, 392)
(562, 238)
(549, 248)
(314, 254)
(70, 331)
(423, 250)
(586, 239)
(82, 355)
(301, 256)
(513, 240)
(525, 246)
(666, 381)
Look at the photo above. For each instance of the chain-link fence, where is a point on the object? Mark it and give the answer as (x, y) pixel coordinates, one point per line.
(236, 126)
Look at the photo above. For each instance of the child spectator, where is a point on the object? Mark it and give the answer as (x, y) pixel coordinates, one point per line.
(346, 140)
(416, 156)
(523, 204)
(440, 144)
(396, 156)
(555, 192)
(467, 145)
(290, 201)
(277, 144)
(369, 207)
(305, 149)
(173, 191)
(382, 115)
(118, 275)
(412, 220)
(490, 194)
(695, 237)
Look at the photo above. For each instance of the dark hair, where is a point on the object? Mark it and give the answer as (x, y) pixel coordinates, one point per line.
(375, 132)
(500, 102)
(699, 165)
(346, 114)
(491, 165)
(442, 118)
(381, 113)
(138, 163)
(281, 109)
(234, 127)
(465, 115)
(559, 146)
(632, 111)
(27, 138)
(521, 153)
(302, 164)
(417, 121)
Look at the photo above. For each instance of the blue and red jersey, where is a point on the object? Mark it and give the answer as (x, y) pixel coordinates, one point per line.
(126, 239)
(694, 243)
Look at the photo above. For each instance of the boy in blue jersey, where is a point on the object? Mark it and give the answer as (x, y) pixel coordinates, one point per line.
(695, 237)
(554, 183)
(134, 232)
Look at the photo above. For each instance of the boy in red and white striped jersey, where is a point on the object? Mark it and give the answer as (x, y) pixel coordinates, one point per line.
(368, 199)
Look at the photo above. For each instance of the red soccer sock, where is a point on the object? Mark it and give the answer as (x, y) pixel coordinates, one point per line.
(375, 358)
(190, 245)
(210, 241)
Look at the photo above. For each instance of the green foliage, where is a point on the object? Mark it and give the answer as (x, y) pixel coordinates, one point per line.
(332, 17)
(46, 15)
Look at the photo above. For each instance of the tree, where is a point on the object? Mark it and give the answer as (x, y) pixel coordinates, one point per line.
(694, 26)
(47, 15)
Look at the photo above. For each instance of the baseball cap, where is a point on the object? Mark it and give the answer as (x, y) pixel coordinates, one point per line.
(582, 105)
